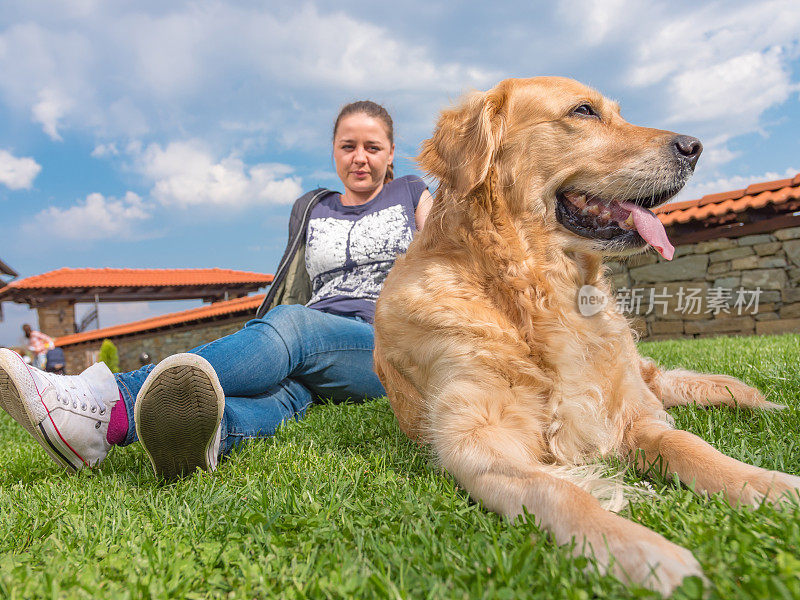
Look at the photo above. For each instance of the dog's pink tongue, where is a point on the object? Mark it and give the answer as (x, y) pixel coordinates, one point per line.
(650, 228)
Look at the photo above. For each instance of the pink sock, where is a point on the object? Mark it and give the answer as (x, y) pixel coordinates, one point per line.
(118, 423)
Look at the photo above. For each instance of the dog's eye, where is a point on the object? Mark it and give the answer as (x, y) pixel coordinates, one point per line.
(585, 110)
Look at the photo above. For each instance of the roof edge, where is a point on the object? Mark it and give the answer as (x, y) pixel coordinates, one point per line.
(225, 308)
(718, 197)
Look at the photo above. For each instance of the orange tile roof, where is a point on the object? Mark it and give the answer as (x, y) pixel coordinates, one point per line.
(757, 195)
(89, 278)
(227, 307)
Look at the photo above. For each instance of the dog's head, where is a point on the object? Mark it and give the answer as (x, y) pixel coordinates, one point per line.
(562, 152)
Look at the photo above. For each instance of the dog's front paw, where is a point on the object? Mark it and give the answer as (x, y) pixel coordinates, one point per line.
(661, 567)
(638, 555)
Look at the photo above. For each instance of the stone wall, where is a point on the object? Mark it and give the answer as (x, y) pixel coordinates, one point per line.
(732, 286)
(158, 344)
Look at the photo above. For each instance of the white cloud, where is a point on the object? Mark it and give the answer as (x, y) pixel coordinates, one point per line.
(721, 66)
(104, 150)
(51, 106)
(597, 19)
(17, 173)
(716, 151)
(736, 91)
(185, 174)
(339, 51)
(95, 218)
(674, 42)
(712, 69)
(47, 73)
(121, 71)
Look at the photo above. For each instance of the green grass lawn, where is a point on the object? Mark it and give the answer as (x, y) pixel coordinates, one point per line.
(342, 505)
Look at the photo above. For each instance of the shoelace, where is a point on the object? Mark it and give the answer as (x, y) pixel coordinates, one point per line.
(71, 390)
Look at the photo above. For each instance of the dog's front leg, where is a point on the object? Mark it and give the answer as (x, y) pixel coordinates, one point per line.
(485, 443)
(700, 465)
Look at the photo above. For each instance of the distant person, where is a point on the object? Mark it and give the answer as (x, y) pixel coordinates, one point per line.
(56, 361)
(38, 343)
(313, 337)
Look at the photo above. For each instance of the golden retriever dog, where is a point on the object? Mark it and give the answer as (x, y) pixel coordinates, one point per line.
(482, 348)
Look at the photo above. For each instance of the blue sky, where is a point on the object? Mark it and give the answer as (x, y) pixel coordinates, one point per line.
(177, 134)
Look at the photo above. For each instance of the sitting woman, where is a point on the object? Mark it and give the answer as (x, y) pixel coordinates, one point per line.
(191, 409)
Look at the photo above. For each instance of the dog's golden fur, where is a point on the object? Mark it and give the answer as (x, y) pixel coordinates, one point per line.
(486, 358)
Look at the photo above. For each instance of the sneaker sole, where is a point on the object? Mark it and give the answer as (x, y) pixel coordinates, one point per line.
(177, 413)
(16, 384)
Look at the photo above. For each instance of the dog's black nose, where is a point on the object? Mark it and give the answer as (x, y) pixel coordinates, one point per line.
(687, 148)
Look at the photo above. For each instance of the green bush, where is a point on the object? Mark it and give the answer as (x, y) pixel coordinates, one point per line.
(109, 355)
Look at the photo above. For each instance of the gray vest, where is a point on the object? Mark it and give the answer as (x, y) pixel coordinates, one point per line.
(292, 285)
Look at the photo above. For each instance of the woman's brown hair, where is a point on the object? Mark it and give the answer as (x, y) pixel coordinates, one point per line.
(376, 111)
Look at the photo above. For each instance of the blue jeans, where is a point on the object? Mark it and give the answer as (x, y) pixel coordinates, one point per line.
(274, 368)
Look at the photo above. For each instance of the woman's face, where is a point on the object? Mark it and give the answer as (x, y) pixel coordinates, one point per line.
(362, 152)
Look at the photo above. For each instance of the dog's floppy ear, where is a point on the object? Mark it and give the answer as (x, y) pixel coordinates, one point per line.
(465, 141)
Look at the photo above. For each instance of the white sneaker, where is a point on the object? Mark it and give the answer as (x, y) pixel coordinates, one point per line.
(67, 415)
(178, 412)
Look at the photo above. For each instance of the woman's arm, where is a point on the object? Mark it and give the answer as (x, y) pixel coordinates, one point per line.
(423, 208)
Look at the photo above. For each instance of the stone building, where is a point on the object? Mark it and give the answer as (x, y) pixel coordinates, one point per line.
(736, 268)
(54, 294)
(160, 336)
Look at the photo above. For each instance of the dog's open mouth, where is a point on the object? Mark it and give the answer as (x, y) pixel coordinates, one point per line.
(624, 223)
